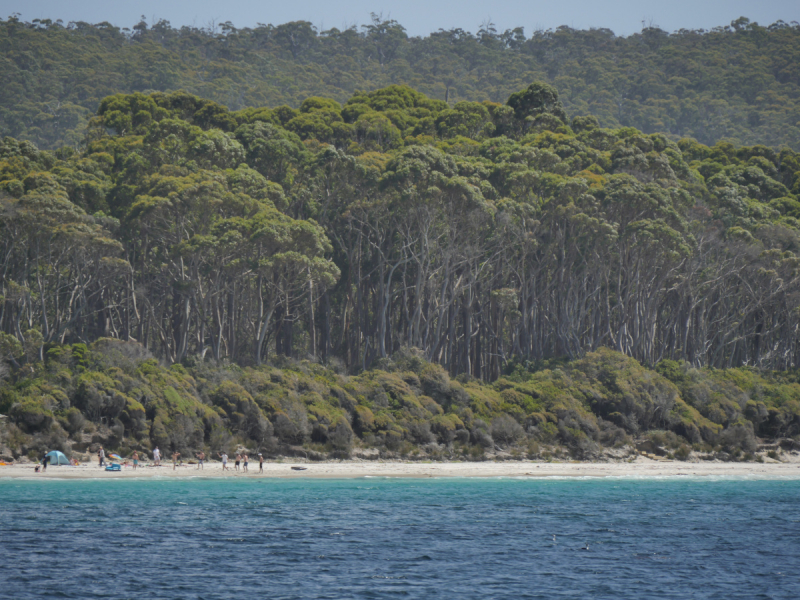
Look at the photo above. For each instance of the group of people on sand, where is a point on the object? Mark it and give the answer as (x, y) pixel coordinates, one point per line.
(240, 459)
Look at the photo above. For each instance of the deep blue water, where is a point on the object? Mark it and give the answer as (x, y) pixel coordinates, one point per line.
(386, 538)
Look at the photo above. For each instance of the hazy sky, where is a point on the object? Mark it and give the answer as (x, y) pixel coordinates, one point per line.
(419, 17)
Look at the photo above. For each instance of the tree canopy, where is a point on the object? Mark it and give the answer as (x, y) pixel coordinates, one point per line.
(585, 282)
(739, 83)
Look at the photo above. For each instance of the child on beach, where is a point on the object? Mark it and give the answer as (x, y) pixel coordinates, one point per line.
(224, 458)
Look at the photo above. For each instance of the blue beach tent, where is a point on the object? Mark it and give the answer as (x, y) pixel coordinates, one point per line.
(57, 458)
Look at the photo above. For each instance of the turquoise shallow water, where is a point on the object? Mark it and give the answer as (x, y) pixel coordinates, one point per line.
(387, 538)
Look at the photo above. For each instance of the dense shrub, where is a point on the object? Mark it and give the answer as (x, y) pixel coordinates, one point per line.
(73, 420)
(506, 431)
(340, 436)
(480, 435)
(31, 415)
(738, 437)
(601, 400)
(287, 431)
(421, 433)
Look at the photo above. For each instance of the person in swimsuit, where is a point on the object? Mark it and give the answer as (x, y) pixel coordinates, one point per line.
(244, 462)
(238, 460)
(135, 458)
(201, 456)
(260, 463)
(175, 457)
(224, 458)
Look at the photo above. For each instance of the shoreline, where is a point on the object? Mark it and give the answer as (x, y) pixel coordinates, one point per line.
(640, 468)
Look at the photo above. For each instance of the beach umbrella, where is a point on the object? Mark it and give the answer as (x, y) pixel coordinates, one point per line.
(114, 456)
(57, 458)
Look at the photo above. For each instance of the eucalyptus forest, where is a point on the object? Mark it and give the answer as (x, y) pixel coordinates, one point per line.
(397, 273)
(739, 82)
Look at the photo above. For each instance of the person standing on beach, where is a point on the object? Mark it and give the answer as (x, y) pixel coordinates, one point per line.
(224, 458)
(175, 457)
(201, 456)
(238, 460)
(244, 462)
(45, 460)
(101, 457)
(157, 457)
(135, 458)
(260, 463)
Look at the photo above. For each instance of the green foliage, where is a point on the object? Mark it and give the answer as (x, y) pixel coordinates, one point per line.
(582, 404)
(535, 103)
(437, 258)
(737, 82)
(72, 420)
(31, 415)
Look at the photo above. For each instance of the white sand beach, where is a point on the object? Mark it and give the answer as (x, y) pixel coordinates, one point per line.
(641, 467)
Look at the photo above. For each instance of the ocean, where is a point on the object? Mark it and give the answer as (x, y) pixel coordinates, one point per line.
(208, 538)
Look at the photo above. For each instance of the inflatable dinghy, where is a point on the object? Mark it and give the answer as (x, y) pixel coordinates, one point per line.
(114, 467)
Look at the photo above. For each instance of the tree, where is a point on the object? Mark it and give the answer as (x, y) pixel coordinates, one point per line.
(535, 102)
